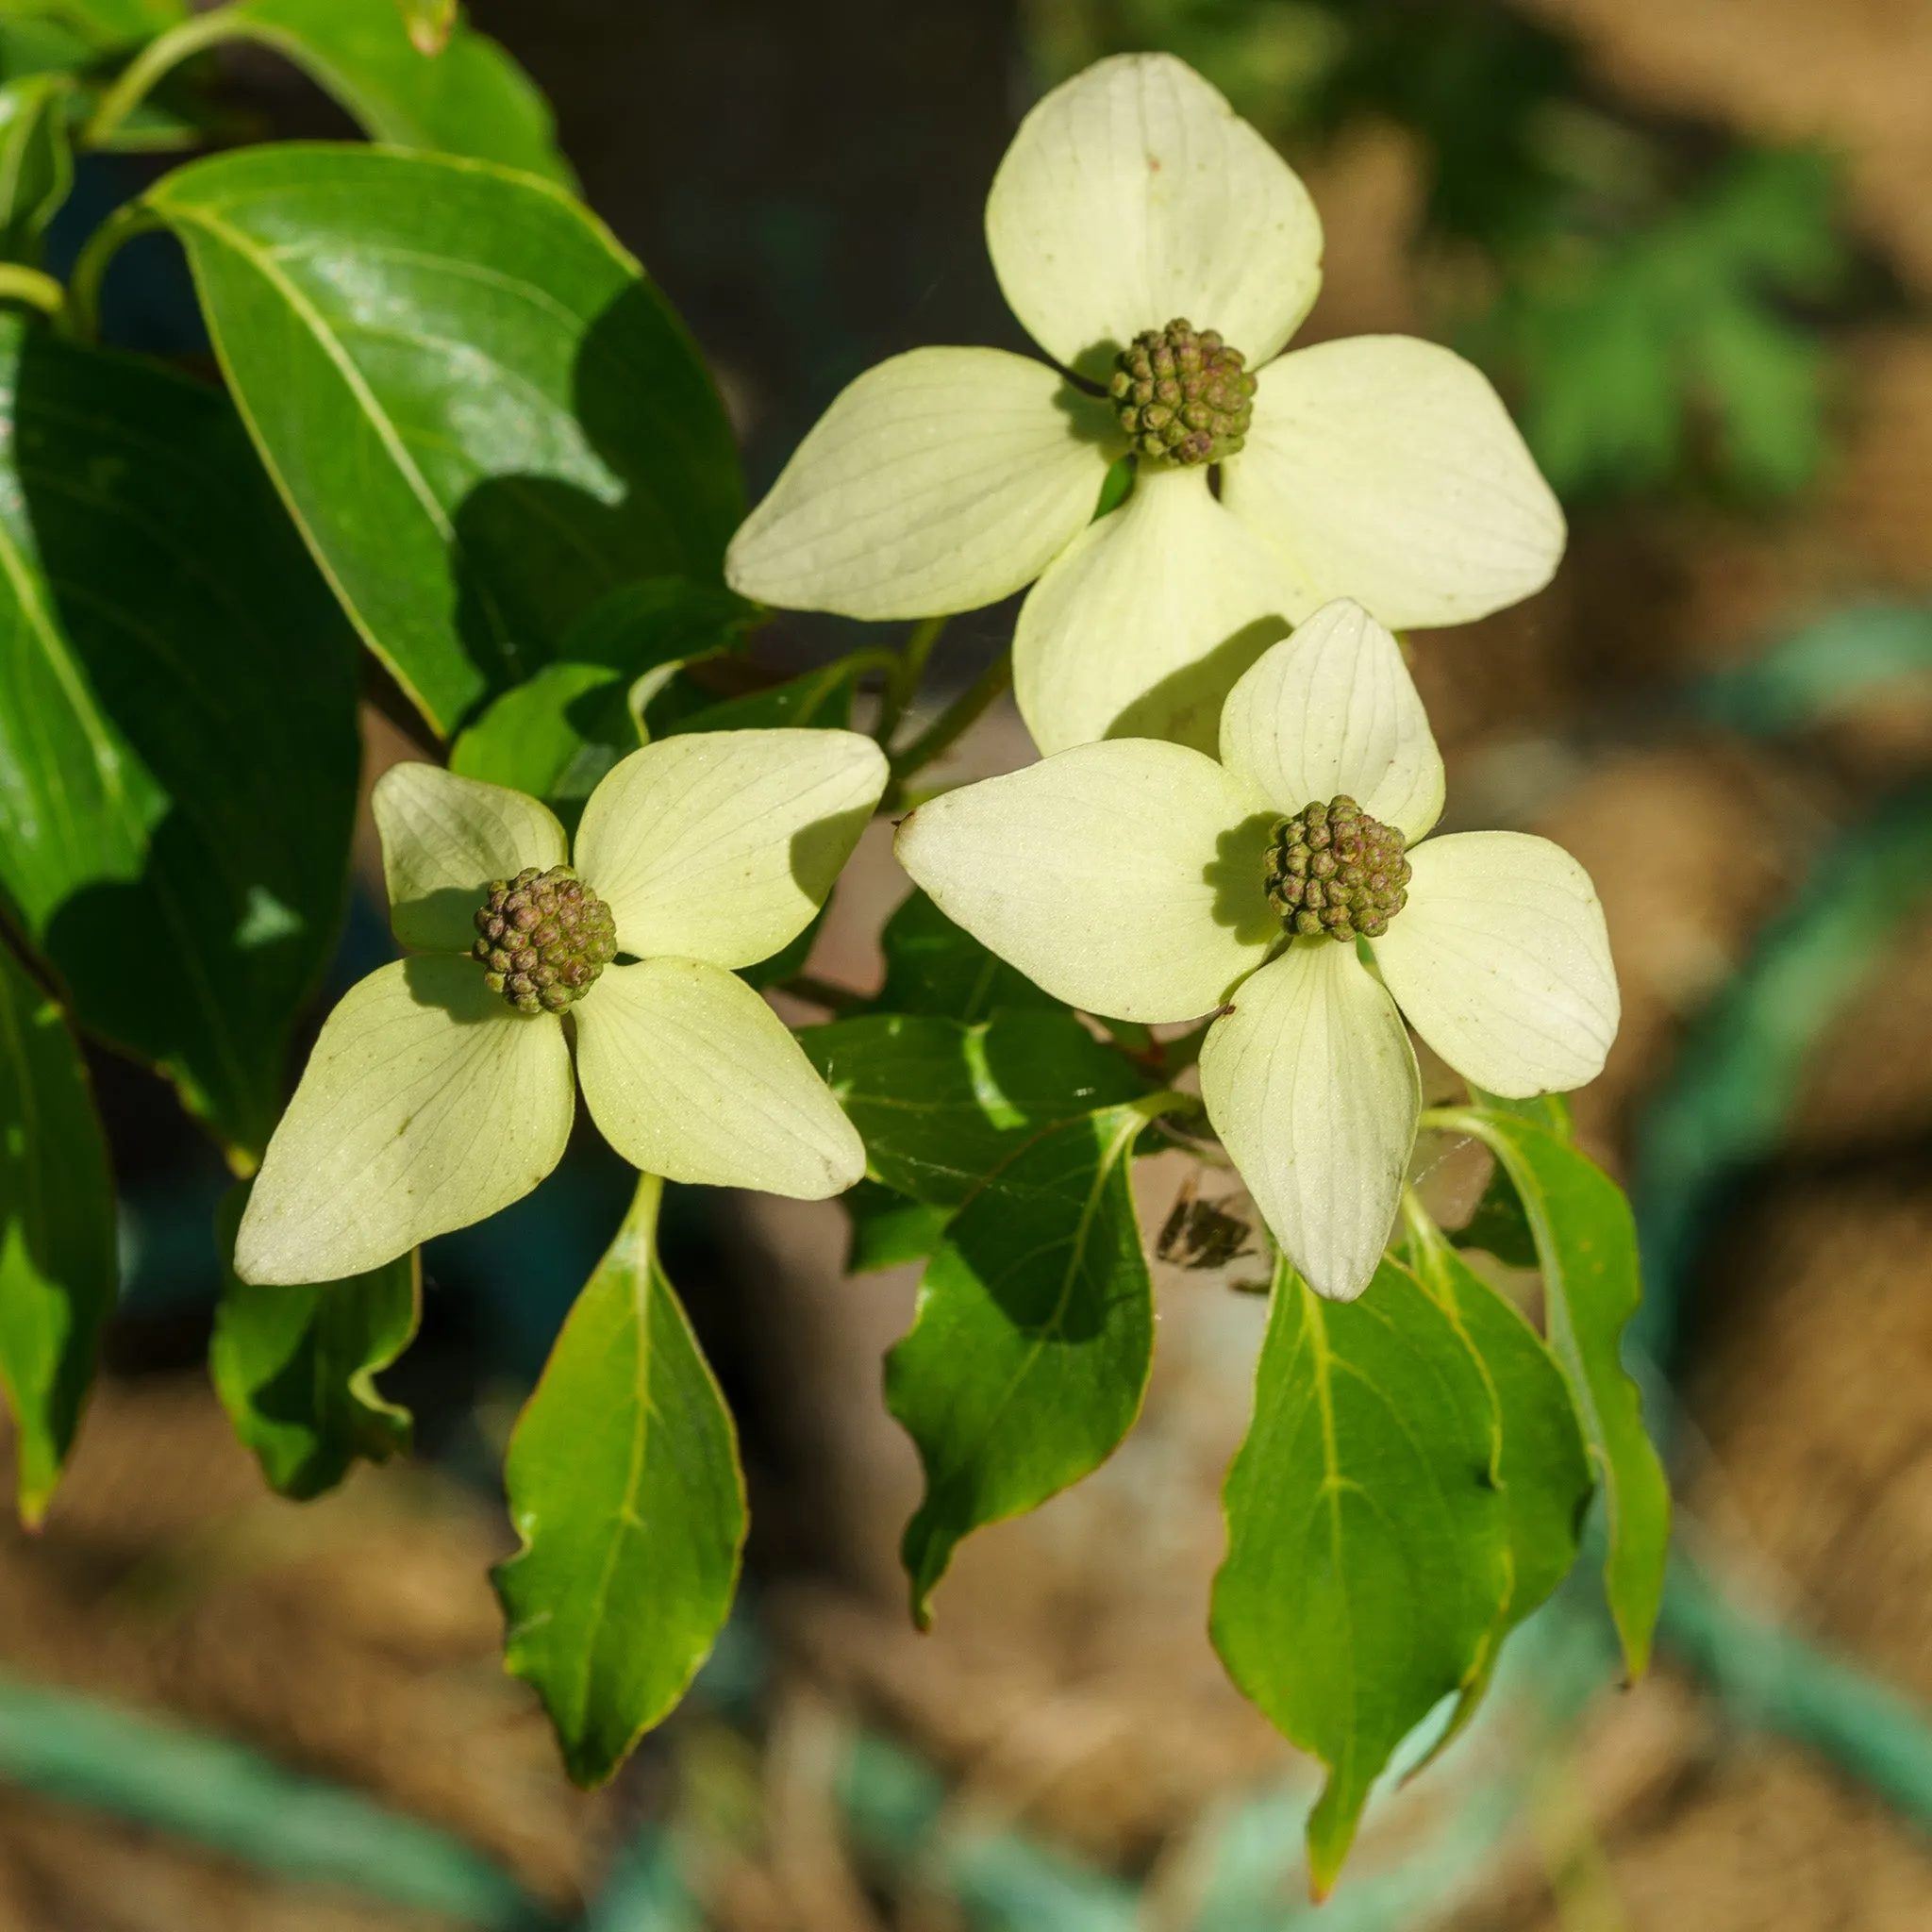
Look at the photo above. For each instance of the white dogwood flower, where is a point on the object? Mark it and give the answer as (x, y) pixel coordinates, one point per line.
(1283, 885)
(1153, 244)
(440, 1088)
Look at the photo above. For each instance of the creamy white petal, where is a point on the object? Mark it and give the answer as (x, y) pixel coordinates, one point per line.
(1124, 878)
(1333, 710)
(1502, 963)
(426, 1104)
(1388, 470)
(689, 1074)
(938, 481)
(1312, 1086)
(443, 839)
(1140, 630)
(1134, 194)
(720, 846)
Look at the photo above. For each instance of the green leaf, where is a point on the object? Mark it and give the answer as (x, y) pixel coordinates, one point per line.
(1027, 1359)
(1550, 1111)
(933, 966)
(430, 24)
(105, 26)
(177, 722)
(821, 697)
(58, 1266)
(939, 1105)
(1541, 1464)
(296, 1366)
(481, 415)
(1500, 1225)
(1587, 1248)
(625, 1487)
(1367, 1538)
(888, 1229)
(468, 98)
(36, 162)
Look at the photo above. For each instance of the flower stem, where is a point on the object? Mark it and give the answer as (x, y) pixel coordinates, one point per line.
(21, 284)
(902, 680)
(939, 735)
(153, 60)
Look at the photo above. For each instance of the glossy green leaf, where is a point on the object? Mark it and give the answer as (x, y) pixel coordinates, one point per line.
(58, 1266)
(1367, 1538)
(468, 98)
(1586, 1247)
(889, 1229)
(933, 966)
(1541, 1462)
(625, 1487)
(941, 1103)
(296, 1366)
(1028, 1358)
(481, 415)
(36, 162)
(177, 729)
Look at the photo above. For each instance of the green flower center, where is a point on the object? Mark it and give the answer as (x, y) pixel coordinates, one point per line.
(1333, 870)
(543, 938)
(1182, 395)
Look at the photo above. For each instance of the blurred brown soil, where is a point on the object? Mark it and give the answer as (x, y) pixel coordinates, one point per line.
(355, 1637)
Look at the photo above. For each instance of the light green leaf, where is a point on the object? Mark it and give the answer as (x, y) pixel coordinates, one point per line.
(1550, 1111)
(625, 1487)
(1029, 1356)
(552, 735)
(102, 24)
(1367, 1538)
(1541, 1462)
(481, 415)
(58, 1267)
(36, 162)
(933, 966)
(1587, 1246)
(296, 1366)
(940, 1104)
(177, 728)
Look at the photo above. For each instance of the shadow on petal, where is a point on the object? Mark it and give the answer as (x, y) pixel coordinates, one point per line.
(455, 984)
(1236, 873)
(1185, 706)
(820, 850)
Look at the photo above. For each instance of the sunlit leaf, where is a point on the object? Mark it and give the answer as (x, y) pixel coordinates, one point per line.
(941, 1103)
(1029, 1356)
(1586, 1247)
(296, 1366)
(1541, 1461)
(624, 1488)
(58, 1268)
(482, 416)
(1367, 1537)
(177, 731)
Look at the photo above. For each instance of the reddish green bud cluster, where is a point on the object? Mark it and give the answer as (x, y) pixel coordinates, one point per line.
(1334, 869)
(543, 938)
(1182, 396)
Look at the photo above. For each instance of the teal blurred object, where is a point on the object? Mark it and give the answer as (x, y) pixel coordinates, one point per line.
(64, 1745)
(1821, 671)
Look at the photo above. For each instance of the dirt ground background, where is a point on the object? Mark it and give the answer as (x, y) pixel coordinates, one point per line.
(1068, 1687)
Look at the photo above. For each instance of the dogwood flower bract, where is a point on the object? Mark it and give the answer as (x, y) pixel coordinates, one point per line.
(1143, 880)
(1153, 244)
(440, 1088)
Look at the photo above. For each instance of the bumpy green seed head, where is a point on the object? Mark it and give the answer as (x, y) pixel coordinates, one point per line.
(1333, 870)
(1182, 395)
(542, 938)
